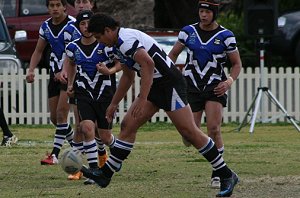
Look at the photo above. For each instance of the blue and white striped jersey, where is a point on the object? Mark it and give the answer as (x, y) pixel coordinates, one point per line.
(89, 82)
(54, 35)
(130, 40)
(207, 53)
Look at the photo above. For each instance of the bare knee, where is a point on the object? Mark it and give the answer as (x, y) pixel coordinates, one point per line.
(128, 131)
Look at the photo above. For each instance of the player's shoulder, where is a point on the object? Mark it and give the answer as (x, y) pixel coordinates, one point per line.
(224, 31)
(71, 28)
(71, 18)
(73, 44)
(190, 27)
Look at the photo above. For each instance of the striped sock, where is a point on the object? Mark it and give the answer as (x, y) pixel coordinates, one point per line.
(70, 135)
(59, 138)
(78, 146)
(118, 154)
(211, 153)
(90, 149)
(101, 147)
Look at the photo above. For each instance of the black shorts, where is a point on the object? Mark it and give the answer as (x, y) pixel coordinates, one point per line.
(169, 95)
(54, 88)
(197, 100)
(73, 100)
(94, 111)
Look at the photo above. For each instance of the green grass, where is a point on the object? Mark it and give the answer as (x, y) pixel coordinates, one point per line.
(267, 162)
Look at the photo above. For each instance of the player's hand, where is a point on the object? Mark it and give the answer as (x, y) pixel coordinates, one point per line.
(70, 91)
(221, 89)
(63, 77)
(111, 112)
(101, 67)
(30, 76)
(56, 76)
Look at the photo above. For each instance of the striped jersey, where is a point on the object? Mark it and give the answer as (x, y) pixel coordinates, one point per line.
(89, 82)
(206, 55)
(54, 35)
(130, 40)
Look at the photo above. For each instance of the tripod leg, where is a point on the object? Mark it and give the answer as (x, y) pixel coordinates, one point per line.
(255, 110)
(243, 123)
(283, 110)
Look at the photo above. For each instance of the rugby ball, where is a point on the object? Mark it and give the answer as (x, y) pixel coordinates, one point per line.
(71, 161)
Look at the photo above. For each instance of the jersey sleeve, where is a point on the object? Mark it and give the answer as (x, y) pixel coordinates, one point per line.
(70, 48)
(42, 32)
(183, 35)
(230, 42)
(130, 46)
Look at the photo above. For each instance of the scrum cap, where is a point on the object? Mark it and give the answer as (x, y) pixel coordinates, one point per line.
(83, 15)
(212, 5)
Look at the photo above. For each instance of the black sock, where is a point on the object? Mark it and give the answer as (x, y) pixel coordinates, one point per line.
(4, 126)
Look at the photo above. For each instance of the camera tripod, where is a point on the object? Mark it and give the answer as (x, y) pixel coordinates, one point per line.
(258, 97)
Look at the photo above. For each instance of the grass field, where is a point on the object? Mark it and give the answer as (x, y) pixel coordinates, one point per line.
(266, 161)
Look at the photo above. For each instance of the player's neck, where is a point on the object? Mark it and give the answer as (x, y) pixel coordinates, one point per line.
(209, 27)
(88, 40)
(59, 20)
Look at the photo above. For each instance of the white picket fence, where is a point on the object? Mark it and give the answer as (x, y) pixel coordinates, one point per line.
(25, 103)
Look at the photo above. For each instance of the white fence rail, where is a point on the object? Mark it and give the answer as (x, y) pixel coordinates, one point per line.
(25, 103)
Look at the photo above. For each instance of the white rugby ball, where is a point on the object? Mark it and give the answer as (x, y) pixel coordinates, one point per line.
(71, 161)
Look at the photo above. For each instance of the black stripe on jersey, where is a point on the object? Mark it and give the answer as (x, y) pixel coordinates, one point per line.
(87, 49)
(133, 49)
(206, 35)
(55, 29)
(163, 64)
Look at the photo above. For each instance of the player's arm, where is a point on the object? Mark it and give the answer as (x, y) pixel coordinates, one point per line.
(176, 50)
(70, 68)
(125, 83)
(102, 68)
(63, 76)
(236, 64)
(147, 70)
(35, 59)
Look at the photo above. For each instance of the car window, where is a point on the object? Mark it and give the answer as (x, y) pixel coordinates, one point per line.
(167, 42)
(3, 32)
(8, 8)
(33, 7)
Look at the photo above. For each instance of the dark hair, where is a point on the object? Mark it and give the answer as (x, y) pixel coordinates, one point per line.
(64, 2)
(99, 22)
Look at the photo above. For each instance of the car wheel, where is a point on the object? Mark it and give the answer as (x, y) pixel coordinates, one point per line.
(297, 53)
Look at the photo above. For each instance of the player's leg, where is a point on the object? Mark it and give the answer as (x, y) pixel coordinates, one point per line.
(51, 159)
(78, 135)
(8, 137)
(183, 120)
(104, 134)
(214, 114)
(89, 143)
(123, 145)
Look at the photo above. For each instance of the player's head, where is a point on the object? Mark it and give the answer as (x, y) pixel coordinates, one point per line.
(104, 28)
(82, 19)
(212, 5)
(99, 22)
(80, 5)
(63, 2)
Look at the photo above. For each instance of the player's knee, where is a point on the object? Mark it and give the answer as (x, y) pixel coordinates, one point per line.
(86, 128)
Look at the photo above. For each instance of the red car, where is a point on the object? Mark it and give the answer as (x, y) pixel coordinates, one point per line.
(27, 15)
